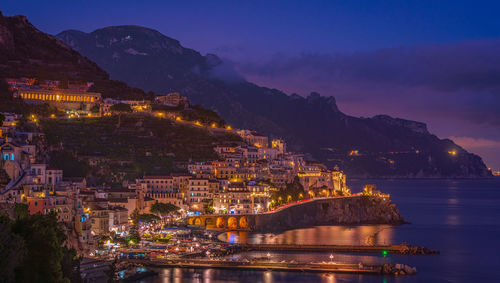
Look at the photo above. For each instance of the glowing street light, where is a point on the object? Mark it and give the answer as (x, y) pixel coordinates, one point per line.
(331, 258)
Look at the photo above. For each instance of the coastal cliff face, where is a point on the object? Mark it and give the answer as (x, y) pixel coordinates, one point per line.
(341, 211)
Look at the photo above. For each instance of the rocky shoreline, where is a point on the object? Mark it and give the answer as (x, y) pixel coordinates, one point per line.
(356, 210)
(398, 269)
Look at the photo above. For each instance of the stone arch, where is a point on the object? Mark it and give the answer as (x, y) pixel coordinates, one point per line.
(232, 223)
(198, 221)
(221, 222)
(243, 222)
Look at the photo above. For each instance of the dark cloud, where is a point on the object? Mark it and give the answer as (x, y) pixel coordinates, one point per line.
(460, 80)
(225, 71)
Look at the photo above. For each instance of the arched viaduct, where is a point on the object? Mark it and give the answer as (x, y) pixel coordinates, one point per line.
(224, 221)
(322, 211)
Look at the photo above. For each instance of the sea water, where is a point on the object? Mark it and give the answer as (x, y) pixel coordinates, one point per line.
(460, 218)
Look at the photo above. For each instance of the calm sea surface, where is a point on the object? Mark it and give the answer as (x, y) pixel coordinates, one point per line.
(460, 218)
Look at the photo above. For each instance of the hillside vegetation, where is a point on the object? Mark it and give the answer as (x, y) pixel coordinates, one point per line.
(128, 146)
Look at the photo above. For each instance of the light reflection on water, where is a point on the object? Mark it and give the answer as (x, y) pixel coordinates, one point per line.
(458, 217)
(326, 235)
(230, 276)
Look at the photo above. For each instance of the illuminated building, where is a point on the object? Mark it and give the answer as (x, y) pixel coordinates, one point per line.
(201, 169)
(16, 158)
(157, 184)
(242, 198)
(281, 177)
(371, 190)
(330, 179)
(198, 193)
(173, 99)
(280, 145)
(267, 153)
(254, 138)
(65, 99)
(10, 120)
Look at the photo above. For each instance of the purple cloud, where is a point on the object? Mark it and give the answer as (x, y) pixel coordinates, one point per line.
(454, 88)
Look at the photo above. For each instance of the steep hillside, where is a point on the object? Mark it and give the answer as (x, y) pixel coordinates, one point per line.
(378, 146)
(114, 149)
(27, 52)
(101, 148)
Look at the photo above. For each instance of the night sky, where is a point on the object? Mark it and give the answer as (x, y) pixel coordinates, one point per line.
(433, 61)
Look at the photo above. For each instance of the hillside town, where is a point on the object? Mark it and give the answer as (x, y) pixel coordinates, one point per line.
(176, 141)
(247, 177)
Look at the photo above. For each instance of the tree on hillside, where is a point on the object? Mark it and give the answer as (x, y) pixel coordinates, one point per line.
(133, 237)
(70, 265)
(72, 166)
(12, 249)
(121, 108)
(209, 206)
(293, 191)
(31, 249)
(143, 218)
(163, 208)
(135, 216)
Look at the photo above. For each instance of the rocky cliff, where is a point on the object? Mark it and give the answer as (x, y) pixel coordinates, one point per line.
(336, 211)
(384, 146)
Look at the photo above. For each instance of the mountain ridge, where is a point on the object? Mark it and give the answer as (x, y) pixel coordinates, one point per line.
(369, 147)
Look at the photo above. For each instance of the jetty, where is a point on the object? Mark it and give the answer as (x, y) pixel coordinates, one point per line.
(384, 249)
(269, 265)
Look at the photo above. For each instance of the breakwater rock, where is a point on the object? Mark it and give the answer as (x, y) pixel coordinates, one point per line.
(354, 210)
(398, 269)
(415, 250)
